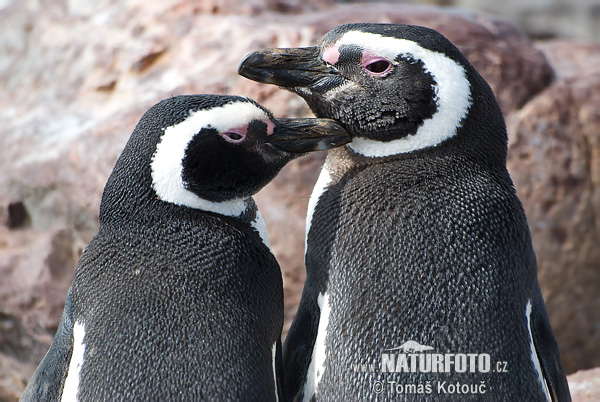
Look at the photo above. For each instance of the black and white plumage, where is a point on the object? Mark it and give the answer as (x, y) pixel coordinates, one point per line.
(414, 229)
(178, 296)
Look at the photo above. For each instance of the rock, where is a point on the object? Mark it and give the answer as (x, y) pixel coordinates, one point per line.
(20, 352)
(37, 268)
(571, 59)
(15, 215)
(554, 159)
(575, 20)
(78, 75)
(585, 385)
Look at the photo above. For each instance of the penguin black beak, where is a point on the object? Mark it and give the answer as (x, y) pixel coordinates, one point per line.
(300, 136)
(289, 68)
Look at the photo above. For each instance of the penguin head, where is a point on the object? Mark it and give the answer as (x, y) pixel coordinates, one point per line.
(396, 88)
(207, 151)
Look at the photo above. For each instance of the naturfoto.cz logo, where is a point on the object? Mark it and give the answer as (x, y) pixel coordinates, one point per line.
(412, 357)
(411, 362)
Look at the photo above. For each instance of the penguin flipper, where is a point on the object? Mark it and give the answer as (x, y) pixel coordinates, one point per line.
(298, 350)
(279, 372)
(547, 350)
(47, 382)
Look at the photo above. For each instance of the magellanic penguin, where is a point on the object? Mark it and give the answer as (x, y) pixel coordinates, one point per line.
(415, 234)
(178, 296)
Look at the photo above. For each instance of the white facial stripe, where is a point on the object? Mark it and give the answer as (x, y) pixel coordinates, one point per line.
(222, 118)
(317, 362)
(453, 93)
(71, 386)
(534, 357)
(167, 167)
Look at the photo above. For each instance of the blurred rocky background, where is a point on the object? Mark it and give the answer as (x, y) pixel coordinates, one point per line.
(75, 77)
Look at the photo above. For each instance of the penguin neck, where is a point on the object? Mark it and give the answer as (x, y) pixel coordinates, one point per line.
(233, 208)
(483, 141)
(129, 194)
(407, 168)
(152, 209)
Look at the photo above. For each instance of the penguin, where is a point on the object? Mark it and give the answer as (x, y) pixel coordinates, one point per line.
(178, 296)
(414, 233)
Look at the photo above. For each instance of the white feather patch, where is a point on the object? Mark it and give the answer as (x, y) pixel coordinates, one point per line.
(453, 93)
(274, 353)
(260, 226)
(71, 386)
(317, 362)
(320, 188)
(167, 168)
(534, 357)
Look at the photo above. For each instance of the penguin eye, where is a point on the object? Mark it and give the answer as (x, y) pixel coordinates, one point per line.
(235, 136)
(377, 66)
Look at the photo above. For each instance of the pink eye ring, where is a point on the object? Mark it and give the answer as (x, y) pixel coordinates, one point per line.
(377, 66)
(234, 136)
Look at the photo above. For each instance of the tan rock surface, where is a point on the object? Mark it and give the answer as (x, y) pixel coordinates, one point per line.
(554, 157)
(585, 385)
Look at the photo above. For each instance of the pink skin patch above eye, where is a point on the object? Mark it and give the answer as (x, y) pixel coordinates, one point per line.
(331, 55)
(270, 126)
